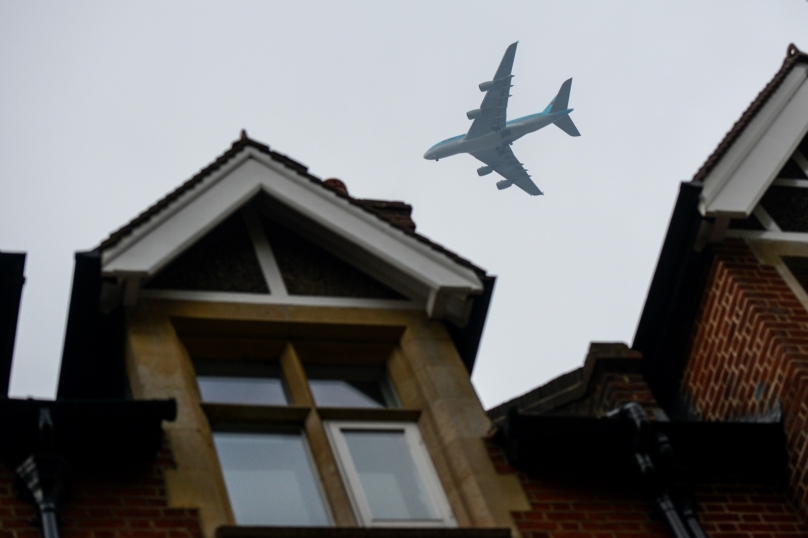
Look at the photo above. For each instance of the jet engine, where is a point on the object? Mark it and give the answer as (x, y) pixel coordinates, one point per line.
(504, 184)
(485, 86)
(471, 114)
(484, 170)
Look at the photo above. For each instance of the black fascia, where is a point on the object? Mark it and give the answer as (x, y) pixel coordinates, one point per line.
(673, 300)
(12, 278)
(467, 339)
(93, 363)
(86, 433)
(587, 446)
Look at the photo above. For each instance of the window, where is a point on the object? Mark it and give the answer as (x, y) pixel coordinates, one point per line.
(240, 382)
(389, 475)
(279, 411)
(350, 386)
(269, 479)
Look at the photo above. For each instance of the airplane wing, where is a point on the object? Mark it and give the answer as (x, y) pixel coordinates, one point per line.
(495, 102)
(504, 163)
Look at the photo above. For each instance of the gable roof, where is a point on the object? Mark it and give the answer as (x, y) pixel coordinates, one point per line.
(376, 236)
(746, 161)
(674, 296)
(395, 213)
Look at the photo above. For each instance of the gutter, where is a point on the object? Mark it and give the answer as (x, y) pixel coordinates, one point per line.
(615, 449)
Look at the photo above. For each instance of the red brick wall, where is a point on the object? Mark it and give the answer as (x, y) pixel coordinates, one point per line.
(729, 510)
(750, 353)
(119, 504)
(596, 508)
(577, 508)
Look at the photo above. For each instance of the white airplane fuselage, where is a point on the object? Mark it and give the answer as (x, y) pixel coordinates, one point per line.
(513, 130)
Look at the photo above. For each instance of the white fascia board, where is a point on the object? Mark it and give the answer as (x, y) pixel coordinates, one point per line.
(736, 184)
(108, 255)
(161, 240)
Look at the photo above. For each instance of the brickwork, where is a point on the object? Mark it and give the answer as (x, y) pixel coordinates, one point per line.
(598, 508)
(113, 504)
(749, 354)
(729, 510)
(576, 508)
(15, 514)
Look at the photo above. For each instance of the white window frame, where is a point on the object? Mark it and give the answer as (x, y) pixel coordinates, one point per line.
(423, 464)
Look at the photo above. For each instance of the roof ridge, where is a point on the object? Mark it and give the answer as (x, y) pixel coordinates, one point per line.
(793, 57)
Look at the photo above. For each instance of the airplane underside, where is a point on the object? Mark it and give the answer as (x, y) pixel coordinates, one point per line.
(490, 137)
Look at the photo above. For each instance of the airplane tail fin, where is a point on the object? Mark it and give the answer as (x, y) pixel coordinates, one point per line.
(565, 124)
(562, 98)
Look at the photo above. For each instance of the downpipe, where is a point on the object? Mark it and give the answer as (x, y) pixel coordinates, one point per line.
(44, 475)
(677, 509)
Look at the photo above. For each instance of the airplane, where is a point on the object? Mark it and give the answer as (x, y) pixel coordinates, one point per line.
(490, 136)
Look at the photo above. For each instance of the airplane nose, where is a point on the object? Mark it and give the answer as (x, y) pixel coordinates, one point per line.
(428, 156)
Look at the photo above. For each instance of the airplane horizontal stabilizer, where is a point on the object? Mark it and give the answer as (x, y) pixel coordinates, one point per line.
(566, 125)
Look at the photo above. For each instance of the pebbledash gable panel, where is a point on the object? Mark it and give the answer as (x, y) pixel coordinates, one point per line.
(792, 170)
(788, 207)
(223, 260)
(307, 269)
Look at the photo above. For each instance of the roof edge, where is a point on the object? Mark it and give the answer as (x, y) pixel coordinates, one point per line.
(793, 57)
(370, 206)
(574, 385)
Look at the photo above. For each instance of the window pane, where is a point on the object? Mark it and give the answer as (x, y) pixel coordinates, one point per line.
(350, 386)
(242, 390)
(270, 479)
(391, 482)
(342, 393)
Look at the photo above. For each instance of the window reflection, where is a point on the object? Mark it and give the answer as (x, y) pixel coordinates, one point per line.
(270, 479)
(350, 386)
(391, 482)
(240, 383)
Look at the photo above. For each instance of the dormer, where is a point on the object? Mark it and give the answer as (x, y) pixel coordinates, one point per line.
(313, 342)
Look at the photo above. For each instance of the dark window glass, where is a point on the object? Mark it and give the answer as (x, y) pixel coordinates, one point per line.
(350, 386)
(240, 382)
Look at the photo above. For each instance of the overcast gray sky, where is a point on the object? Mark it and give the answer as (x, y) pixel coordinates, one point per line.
(107, 106)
